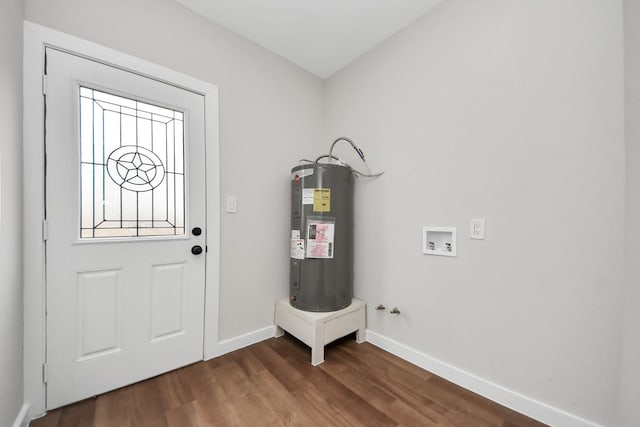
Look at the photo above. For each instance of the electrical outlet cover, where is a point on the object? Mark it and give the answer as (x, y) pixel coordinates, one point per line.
(477, 229)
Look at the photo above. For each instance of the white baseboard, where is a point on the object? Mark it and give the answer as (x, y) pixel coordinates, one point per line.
(21, 419)
(502, 395)
(236, 343)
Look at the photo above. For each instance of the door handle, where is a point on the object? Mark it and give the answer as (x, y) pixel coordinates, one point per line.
(196, 250)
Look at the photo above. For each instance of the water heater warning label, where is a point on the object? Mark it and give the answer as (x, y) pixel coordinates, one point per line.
(320, 239)
(297, 248)
(322, 200)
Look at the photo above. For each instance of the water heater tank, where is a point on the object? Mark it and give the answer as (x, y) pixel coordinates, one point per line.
(321, 261)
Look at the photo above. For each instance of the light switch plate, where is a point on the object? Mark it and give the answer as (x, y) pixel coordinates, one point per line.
(477, 230)
(232, 204)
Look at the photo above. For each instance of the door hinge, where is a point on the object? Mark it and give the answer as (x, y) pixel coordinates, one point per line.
(44, 84)
(45, 230)
(45, 373)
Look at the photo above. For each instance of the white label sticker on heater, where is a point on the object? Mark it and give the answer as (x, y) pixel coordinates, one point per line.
(307, 196)
(320, 240)
(295, 234)
(297, 248)
(301, 173)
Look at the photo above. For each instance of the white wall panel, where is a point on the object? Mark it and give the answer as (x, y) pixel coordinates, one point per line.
(629, 410)
(512, 112)
(11, 291)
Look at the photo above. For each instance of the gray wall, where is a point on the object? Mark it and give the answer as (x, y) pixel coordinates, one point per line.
(630, 373)
(513, 112)
(10, 210)
(270, 116)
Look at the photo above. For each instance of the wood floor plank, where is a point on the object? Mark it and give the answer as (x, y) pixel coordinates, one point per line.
(79, 415)
(49, 420)
(147, 398)
(190, 414)
(385, 401)
(272, 383)
(278, 399)
(116, 408)
(404, 382)
(219, 410)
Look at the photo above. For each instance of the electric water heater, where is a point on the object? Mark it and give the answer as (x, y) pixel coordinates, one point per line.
(321, 260)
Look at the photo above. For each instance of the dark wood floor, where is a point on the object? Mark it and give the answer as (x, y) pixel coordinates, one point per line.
(272, 383)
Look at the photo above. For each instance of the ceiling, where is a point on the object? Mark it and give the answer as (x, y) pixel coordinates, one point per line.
(321, 36)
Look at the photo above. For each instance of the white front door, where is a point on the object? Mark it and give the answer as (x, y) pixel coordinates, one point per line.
(125, 197)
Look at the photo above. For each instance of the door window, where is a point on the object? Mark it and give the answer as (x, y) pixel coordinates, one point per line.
(132, 180)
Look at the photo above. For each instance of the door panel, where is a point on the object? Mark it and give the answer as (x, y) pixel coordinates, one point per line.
(124, 184)
(167, 301)
(98, 313)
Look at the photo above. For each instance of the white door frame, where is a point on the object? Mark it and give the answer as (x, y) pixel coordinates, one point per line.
(36, 37)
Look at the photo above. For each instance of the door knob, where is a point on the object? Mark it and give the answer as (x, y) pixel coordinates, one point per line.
(196, 250)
